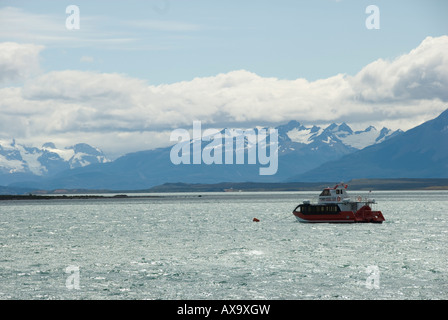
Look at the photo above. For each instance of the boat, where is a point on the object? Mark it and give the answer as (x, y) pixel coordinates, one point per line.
(335, 206)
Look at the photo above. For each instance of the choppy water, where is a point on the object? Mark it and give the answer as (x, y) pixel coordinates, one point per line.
(191, 247)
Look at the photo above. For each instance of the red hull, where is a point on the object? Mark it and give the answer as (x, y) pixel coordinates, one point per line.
(365, 214)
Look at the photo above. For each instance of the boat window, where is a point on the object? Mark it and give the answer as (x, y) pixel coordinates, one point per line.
(326, 192)
(318, 209)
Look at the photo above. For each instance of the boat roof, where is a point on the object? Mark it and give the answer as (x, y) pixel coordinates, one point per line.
(338, 186)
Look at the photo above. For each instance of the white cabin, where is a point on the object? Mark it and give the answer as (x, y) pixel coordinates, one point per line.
(337, 194)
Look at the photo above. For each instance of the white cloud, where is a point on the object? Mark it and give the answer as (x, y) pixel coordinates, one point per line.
(100, 31)
(420, 74)
(127, 114)
(18, 61)
(50, 29)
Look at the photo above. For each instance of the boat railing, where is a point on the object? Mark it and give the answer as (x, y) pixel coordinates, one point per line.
(366, 200)
(347, 199)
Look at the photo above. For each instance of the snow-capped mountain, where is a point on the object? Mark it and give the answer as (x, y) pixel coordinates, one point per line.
(18, 162)
(300, 149)
(335, 134)
(421, 152)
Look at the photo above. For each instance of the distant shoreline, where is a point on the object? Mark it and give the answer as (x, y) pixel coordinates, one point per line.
(67, 197)
(7, 193)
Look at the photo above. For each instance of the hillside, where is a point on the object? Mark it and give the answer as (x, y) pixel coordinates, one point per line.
(421, 152)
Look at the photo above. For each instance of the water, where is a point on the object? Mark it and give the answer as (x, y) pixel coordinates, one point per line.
(191, 247)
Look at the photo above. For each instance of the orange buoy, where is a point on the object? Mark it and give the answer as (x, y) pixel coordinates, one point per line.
(255, 220)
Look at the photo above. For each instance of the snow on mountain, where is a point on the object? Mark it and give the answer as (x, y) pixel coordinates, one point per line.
(17, 158)
(421, 152)
(300, 149)
(11, 165)
(30, 157)
(65, 154)
(304, 135)
(10, 158)
(362, 139)
(84, 155)
(339, 133)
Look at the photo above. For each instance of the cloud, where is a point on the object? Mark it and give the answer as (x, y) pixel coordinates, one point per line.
(50, 29)
(99, 31)
(420, 74)
(128, 114)
(18, 61)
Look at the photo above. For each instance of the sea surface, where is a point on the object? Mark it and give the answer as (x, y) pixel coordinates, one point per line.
(206, 246)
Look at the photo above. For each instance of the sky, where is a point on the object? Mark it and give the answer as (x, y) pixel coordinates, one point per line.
(136, 70)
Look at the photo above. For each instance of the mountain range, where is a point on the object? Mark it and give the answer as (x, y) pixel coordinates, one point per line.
(305, 154)
(421, 152)
(22, 163)
(300, 149)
